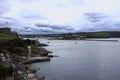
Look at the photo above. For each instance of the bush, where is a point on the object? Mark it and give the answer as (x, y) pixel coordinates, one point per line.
(16, 46)
(18, 49)
(17, 42)
(4, 71)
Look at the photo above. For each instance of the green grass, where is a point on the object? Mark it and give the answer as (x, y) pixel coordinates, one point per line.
(101, 34)
(6, 36)
(16, 45)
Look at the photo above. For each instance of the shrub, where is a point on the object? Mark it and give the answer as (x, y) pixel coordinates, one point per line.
(18, 49)
(4, 71)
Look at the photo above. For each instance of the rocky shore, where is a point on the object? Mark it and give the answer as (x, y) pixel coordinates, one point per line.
(38, 54)
(14, 57)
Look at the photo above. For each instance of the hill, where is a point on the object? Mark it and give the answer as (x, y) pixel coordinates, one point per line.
(79, 35)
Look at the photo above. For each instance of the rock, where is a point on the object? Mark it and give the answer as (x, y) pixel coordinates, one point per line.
(40, 51)
(5, 30)
(49, 51)
(33, 69)
(52, 56)
(31, 75)
(27, 67)
(15, 34)
(42, 44)
(30, 69)
(23, 57)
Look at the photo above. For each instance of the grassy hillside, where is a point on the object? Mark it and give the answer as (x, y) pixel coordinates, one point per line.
(102, 34)
(6, 36)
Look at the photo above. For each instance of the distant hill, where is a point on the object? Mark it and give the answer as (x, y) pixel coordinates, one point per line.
(102, 34)
(80, 35)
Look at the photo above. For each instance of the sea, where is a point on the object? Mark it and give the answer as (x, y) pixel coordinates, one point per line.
(81, 60)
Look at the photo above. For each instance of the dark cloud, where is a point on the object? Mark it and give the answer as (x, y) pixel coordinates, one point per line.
(95, 17)
(55, 27)
(30, 30)
(109, 25)
(42, 25)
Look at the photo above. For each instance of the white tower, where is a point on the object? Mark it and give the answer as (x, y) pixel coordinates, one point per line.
(29, 51)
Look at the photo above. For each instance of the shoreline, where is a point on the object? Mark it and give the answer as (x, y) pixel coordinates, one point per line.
(101, 40)
(41, 56)
(36, 59)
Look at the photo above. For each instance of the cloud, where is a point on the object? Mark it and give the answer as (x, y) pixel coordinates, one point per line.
(95, 17)
(81, 15)
(3, 7)
(55, 28)
(31, 15)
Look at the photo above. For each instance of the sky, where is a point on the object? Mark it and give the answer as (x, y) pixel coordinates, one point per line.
(59, 16)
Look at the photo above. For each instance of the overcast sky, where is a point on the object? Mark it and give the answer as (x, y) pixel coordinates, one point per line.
(57, 16)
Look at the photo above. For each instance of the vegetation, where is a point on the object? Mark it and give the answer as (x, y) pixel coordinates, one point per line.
(97, 35)
(67, 37)
(16, 45)
(81, 35)
(4, 71)
(102, 34)
(6, 36)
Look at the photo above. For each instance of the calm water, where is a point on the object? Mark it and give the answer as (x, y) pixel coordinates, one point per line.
(82, 60)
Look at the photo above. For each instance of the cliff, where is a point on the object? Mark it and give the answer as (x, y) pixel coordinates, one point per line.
(8, 31)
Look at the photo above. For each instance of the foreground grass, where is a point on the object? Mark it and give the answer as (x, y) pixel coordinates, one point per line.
(6, 36)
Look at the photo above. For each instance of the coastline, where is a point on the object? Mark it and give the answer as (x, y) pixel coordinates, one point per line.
(100, 40)
(18, 62)
(42, 57)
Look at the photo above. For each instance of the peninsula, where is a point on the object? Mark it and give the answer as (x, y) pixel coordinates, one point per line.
(14, 56)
